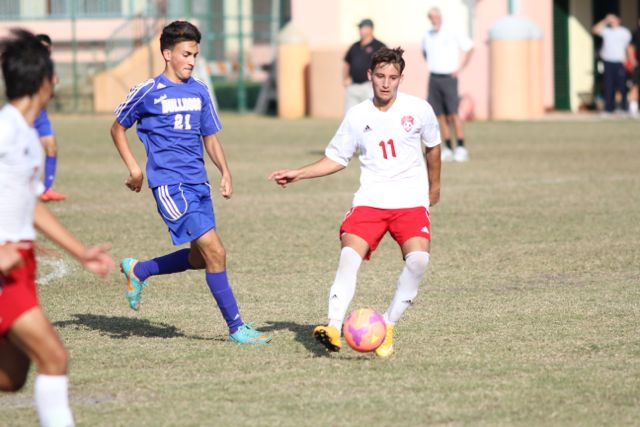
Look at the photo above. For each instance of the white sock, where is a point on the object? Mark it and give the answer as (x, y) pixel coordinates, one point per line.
(52, 400)
(633, 107)
(344, 286)
(415, 267)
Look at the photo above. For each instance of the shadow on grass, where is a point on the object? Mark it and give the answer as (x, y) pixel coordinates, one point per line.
(119, 327)
(303, 334)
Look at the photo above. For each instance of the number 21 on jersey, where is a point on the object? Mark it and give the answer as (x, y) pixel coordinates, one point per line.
(183, 122)
(392, 148)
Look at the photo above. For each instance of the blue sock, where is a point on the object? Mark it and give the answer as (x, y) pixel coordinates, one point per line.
(50, 171)
(172, 263)
(219, 286)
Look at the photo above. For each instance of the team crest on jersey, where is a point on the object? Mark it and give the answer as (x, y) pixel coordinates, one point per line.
(407, 123)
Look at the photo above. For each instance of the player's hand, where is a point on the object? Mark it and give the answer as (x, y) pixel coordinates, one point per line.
(434, 195)
(97, 261)
(10, 258)
(226, 187)
(284, 177)
(135, 180)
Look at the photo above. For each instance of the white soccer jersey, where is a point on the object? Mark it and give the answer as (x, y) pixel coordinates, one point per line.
(21, 165)
(393, 174)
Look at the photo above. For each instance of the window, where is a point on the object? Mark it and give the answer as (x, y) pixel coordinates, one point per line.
(10, 8)
(85, 8)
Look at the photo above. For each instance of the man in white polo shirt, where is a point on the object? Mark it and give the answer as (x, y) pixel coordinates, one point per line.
(615, 50)
(447, 53)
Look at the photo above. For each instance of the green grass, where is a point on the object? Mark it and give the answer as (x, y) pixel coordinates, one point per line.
(529, 314)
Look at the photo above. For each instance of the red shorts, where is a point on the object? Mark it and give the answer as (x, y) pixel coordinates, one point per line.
(372, 223)
(18, 291)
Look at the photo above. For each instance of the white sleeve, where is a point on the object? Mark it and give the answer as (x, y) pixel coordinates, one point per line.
(343, 144)
(430, 133)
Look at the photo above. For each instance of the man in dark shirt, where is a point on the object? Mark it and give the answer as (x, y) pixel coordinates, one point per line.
(356, 63)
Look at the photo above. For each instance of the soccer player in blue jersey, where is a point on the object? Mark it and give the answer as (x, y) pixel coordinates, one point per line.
(48, 141)
(175, 117)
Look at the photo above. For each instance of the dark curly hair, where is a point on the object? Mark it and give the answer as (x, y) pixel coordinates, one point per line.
(385, 55)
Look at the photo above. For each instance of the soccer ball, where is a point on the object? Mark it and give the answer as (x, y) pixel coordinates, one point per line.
(364, 330)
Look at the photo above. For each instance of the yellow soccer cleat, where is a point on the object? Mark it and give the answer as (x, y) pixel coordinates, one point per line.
(386, 348)
(328, 336)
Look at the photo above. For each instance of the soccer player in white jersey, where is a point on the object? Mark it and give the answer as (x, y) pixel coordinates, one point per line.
(175, 117)
(396, 134)
(25, 332)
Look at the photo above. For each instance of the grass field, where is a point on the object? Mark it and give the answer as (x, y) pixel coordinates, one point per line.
(529, 314)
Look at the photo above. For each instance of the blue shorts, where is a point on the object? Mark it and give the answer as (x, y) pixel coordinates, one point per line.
(43, 124)
(187, 209)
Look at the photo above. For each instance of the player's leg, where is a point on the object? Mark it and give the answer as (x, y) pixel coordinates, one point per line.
(33, 334)
(50, 167)
(411, 230)
(354, 249)
(137, 272)
(178, 206)
(360, 234)
(213, 253)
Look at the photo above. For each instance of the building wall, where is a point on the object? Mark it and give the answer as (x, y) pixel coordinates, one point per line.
(581, 72)
(330, 27)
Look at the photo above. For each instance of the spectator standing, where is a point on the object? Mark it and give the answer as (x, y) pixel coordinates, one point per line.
(356, 65)
(615, 50)
(447, 53)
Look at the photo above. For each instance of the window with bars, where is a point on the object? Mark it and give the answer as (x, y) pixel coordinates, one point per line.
(10, 8)
(84, 8)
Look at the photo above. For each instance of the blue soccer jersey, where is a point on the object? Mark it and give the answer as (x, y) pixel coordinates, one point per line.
(171, 120)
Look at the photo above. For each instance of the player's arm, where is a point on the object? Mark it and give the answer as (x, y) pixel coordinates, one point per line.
(94, 259)
(432, 157)
(216, 154)
(119, 136)
(323, 167)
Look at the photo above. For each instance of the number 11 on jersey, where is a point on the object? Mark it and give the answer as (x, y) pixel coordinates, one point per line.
(384, 148)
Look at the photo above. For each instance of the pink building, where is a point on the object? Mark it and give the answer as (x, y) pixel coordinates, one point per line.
(107, 36)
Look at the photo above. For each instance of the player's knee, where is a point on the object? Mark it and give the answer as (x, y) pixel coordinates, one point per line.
(55, 363)
(51, 150)
(214, 256)
(417, 262)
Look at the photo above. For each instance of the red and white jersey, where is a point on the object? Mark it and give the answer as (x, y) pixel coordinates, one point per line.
(21, 165)
(393, 173)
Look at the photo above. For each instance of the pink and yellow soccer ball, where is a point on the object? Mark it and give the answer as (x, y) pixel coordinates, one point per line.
(364, 330)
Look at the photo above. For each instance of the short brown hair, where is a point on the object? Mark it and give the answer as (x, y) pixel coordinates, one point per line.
(385, 55)
(178, 31)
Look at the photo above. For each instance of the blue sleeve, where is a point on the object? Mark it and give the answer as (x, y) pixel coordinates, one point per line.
(43, 124)
(209, 121)
(128, 112)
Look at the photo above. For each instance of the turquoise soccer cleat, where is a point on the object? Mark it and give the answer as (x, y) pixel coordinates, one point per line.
(247, 335)
(134, 285)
